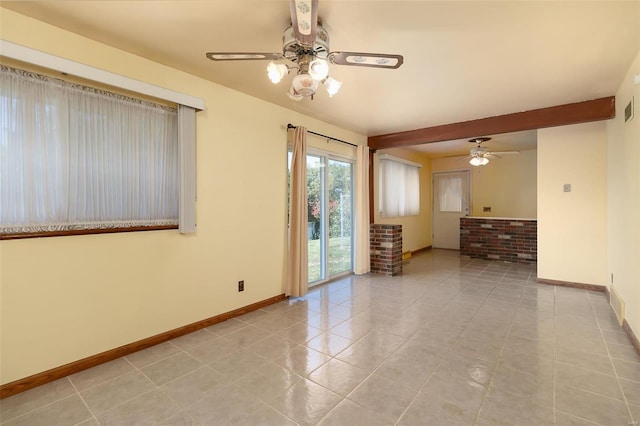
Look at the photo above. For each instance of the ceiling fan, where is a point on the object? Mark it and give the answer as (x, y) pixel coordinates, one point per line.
(305, 46)
(479, 156)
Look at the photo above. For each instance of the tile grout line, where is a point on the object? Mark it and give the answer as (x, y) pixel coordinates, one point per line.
(615, 370)
(346, 397)
(441, 361)
(486, 393)
(493, 372)
(306, 375)
(591, 422)
(3, 421)
(502, 349)
(156, 387)
(419, 392)
(93, 415)
(434, 370)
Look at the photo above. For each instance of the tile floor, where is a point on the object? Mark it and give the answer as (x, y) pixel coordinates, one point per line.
(452, 341)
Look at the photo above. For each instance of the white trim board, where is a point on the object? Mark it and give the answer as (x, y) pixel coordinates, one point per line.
(47, 60)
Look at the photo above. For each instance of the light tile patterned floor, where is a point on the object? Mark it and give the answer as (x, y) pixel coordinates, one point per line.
(452, 341)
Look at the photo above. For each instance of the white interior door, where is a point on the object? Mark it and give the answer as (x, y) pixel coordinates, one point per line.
(451, 201)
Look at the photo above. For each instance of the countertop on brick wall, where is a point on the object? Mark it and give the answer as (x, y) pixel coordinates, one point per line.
(500, 218)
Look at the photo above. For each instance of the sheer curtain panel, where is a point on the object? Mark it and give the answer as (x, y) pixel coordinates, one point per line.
(74, 157)
(399, 188)
(450, 193)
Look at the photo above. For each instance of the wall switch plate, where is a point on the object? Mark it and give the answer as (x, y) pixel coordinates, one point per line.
(567, 187)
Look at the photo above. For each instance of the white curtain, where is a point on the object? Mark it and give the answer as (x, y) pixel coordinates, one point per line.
(450, 193)
(73, 157)
(399, 189)
(412, 191)
(297, 279)
(362, 246)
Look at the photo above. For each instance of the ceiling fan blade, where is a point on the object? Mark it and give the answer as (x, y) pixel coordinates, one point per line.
(304, 20)
(243, 56)
(376, 60)
(456, 156)
(503, 152)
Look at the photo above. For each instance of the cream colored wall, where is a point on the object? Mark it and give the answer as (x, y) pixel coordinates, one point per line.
(572, 225)
(416, 230)
(66, 298)
(623, 201)
(507, 185)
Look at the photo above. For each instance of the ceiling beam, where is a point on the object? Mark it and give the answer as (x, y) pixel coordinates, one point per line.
(561, 115)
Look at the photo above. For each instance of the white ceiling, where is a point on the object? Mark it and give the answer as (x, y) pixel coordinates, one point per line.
(462, 60)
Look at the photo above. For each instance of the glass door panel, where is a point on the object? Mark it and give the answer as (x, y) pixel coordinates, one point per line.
(340, 217)
(316, 207)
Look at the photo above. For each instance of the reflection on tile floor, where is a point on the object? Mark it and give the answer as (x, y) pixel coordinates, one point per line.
(452, 341)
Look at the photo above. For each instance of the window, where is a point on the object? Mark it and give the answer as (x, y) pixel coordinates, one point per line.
(76, 158)
(399, 187)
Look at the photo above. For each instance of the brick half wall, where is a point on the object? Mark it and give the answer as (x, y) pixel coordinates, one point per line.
(511, 240)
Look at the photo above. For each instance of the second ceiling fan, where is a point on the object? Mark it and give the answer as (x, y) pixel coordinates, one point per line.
(479, 156)
(305, 47)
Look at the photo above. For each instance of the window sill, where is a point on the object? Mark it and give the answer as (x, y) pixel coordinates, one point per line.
(84, 232)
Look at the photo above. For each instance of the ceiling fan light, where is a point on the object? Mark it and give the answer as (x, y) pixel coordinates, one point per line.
(276, 72)
(479, 161)
(304, 85)
(318, 69)
(332, 85)
(293, 95)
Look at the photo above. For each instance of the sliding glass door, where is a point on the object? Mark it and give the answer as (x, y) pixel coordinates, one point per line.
(330, 216)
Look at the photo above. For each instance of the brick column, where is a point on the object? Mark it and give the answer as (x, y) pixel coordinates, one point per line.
(385, 242)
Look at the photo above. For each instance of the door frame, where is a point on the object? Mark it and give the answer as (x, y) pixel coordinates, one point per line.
(324, 224)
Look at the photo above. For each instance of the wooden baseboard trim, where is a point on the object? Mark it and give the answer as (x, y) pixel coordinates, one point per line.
(420, 250)
(583, 286)
(634, 339)
(38, 379)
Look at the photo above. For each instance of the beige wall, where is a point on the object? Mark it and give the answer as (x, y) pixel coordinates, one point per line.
(66, 298)
(623, 199)
(571, 225)
(507, 185)
(416, 230)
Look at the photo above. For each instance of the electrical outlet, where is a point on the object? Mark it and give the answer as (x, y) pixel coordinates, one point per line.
(612, 278)
(241, 285)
